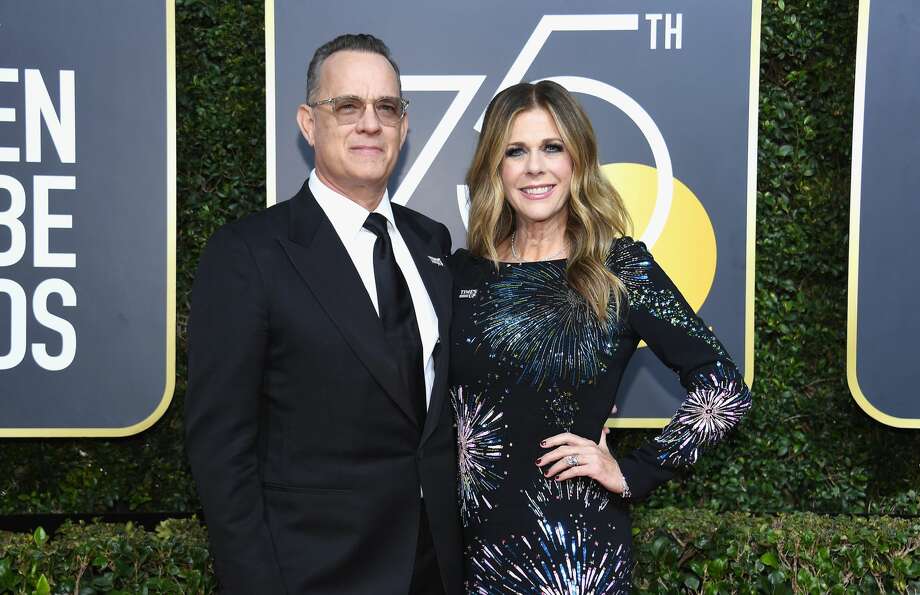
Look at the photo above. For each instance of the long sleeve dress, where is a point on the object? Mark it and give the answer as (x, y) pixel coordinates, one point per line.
(530, 360)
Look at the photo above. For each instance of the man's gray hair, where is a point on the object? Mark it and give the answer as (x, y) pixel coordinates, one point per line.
(359, 42)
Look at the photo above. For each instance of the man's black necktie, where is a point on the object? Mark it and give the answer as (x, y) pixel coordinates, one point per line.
(397, 314)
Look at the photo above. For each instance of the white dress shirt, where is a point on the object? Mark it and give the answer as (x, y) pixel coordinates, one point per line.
(348, 219)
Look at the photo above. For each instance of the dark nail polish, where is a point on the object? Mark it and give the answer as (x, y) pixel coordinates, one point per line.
(538, 461)
(556, 478)
(542, 442)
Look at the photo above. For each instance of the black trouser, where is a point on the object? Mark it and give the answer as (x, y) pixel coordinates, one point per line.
(426, 577)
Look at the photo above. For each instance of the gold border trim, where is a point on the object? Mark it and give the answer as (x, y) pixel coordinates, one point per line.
(170, 381)
(859, 105)
(271, 189)
(750, 260)
(637, 422)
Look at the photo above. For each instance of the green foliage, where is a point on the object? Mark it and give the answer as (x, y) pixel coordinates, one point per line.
(788, 553)
(805, 447)
(100, 558)
(707, 552)
(678, 551)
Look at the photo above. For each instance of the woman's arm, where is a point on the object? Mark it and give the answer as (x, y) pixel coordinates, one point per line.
(717, 397)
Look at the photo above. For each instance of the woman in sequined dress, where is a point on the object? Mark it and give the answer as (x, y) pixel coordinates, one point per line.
(551, 301)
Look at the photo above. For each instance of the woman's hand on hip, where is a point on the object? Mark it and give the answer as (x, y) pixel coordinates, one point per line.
(573, 456)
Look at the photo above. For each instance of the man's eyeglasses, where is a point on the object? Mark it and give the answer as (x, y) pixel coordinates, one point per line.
(348, 109)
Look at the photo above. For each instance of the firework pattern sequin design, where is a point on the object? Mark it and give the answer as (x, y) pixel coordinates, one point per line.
(635, 266)
(586, 493)
(715, 404)
(480, 447)
(528, 361)
(531, 317)
(561, 409)
(559, 558)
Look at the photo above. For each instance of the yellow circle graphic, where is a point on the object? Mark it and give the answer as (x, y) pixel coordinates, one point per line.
(686, 248)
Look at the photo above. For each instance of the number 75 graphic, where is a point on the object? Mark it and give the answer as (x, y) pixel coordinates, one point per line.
(466, 87)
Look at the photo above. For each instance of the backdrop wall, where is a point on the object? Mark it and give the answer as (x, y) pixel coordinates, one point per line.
(87, 227)
(671, 90)
(883, 322)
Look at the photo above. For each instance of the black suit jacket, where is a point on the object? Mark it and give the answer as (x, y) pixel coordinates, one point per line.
(305, 450)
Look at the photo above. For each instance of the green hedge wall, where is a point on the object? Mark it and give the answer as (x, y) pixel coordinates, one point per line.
(678, 551)
(806, 446)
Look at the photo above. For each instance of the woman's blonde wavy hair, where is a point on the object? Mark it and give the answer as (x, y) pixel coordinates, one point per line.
(596, 215)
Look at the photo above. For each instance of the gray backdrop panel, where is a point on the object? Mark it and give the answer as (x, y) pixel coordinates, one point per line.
(698, 96)
(889, 277)
(119, 210)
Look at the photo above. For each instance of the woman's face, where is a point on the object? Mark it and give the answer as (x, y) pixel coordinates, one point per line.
(536, 169)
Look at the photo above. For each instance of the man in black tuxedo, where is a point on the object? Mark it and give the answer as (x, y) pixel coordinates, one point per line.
(316, 423)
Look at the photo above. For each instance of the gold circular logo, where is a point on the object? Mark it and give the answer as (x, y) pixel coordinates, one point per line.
(686, 246)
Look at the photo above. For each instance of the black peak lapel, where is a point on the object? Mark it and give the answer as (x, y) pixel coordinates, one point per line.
(317, 253)
(426, 254)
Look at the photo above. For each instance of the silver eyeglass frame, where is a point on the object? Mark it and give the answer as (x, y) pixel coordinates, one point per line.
(404, 104)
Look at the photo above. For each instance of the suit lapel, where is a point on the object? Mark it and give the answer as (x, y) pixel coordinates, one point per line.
(438, 284)
(317, 253)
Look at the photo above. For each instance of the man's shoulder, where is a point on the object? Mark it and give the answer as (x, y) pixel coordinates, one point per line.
(424, 226)
(418, 219)
(259, 226)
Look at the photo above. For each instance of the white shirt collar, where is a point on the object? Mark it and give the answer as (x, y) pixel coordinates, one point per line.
(346, 215)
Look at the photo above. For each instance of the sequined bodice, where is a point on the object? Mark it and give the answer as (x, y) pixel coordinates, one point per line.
(530, 360)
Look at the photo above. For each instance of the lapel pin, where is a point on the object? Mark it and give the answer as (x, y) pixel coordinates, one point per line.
(436, 260)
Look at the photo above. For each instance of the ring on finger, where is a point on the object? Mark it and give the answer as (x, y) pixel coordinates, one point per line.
(572, 460)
